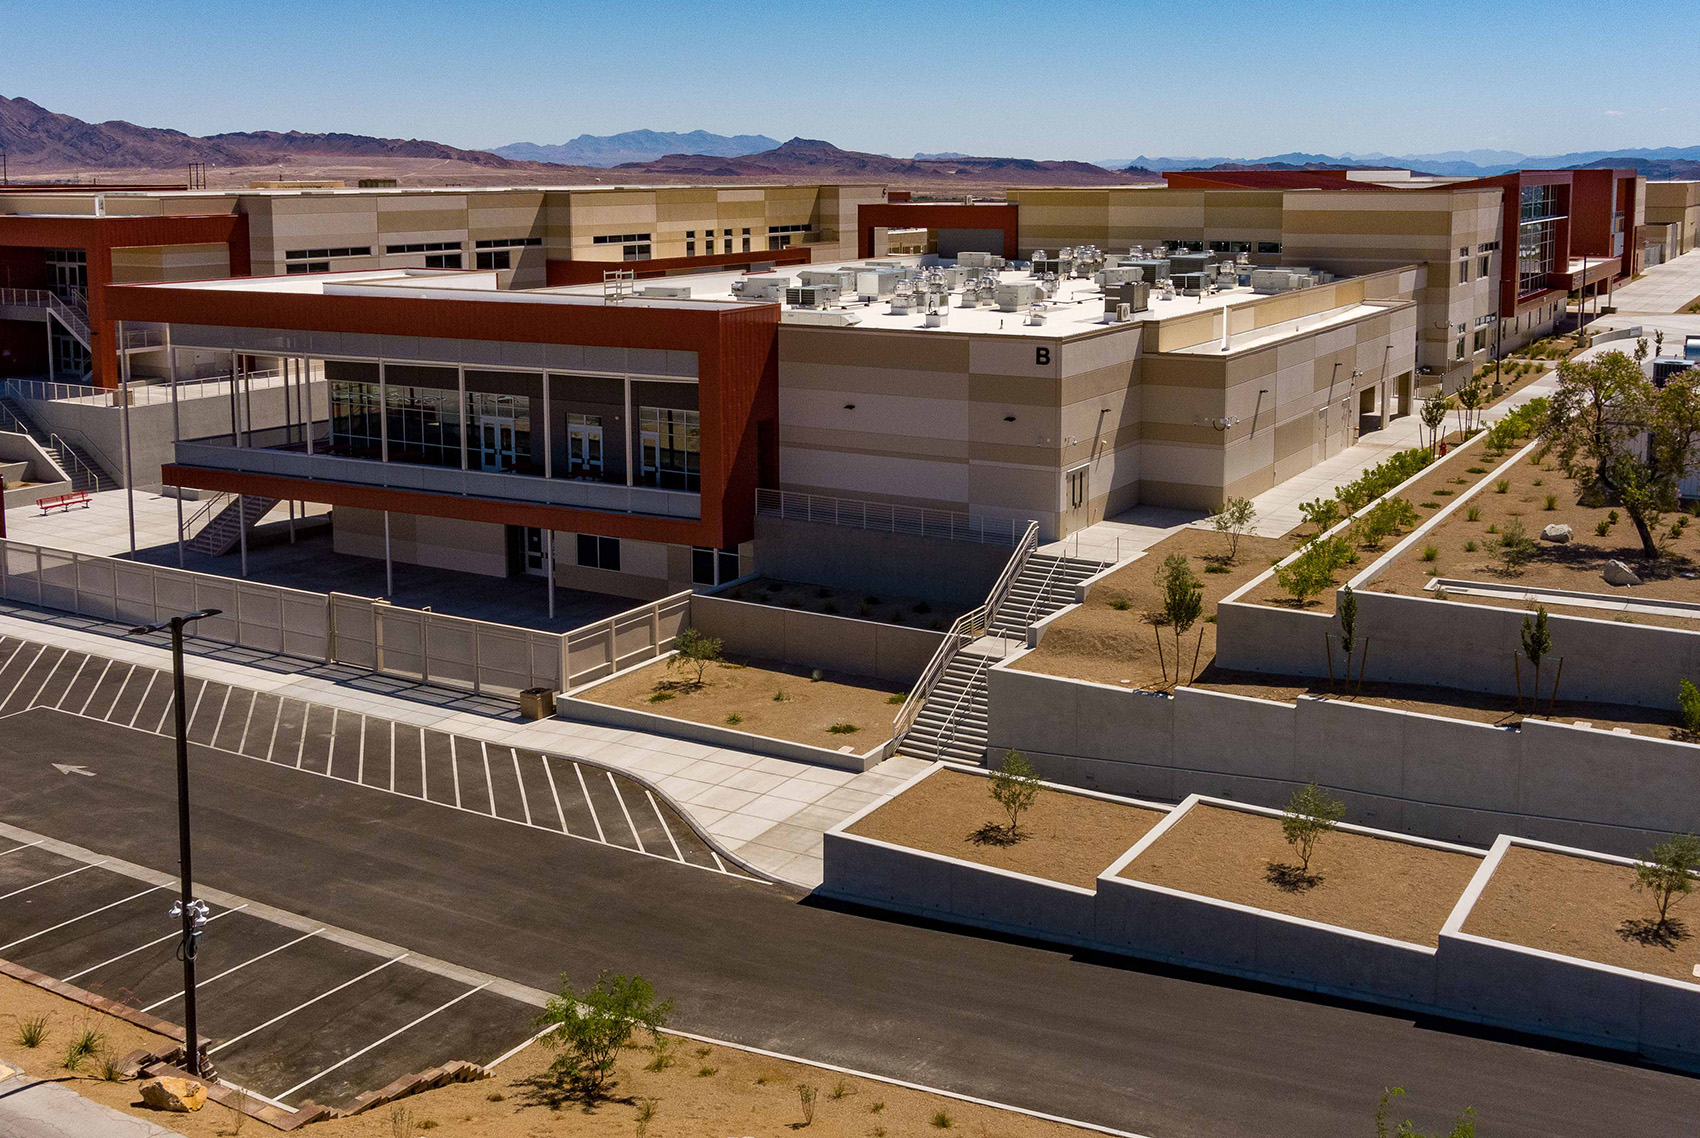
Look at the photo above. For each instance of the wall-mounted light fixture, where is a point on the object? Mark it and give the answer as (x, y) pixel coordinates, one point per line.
(849, 406)
(1009, 418)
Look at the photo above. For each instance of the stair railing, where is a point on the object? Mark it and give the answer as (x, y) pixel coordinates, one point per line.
(970, 626)
(1042, 595)
(203, 515)
(63, 450)
(953, 721)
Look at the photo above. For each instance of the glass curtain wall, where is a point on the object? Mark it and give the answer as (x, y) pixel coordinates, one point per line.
(1537, 237)
(671, 448)
(424, 426)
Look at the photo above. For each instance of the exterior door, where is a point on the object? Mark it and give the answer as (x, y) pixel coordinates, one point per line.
(536, 553)
(499, 451)
(584, 449)
(649, 446)
(1077, 499)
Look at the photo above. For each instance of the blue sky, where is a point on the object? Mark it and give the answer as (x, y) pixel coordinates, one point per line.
(1078, 80)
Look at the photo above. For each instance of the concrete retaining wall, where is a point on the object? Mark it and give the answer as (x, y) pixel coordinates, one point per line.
(1448, 779)
(861, 647)
(871, 561)
(1527, 989)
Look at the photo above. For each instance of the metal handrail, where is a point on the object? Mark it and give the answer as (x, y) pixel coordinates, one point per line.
(195, 518)
(1044, 587)
(63, 450)
(947, 732)
(887, 517)
(1013, 568)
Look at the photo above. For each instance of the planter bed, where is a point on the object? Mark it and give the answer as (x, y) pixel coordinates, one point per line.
(1099, 642)
(1070, 837)
(1574, 566)
(746, 688)
(1586, 908)
(1401, 890)
(915, 612)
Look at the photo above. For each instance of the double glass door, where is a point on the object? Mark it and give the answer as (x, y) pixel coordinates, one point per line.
(499, 448)
(584, 446)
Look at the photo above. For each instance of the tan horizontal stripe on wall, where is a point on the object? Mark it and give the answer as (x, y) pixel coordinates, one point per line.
(858, 347)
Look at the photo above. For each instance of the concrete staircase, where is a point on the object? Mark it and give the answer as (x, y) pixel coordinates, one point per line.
(1046, 584)
(222, 533)
(76, 463)
(951, 724)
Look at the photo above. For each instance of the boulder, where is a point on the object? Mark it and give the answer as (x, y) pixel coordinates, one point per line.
(1617, 573)
(180, 1096)
(1558, 534)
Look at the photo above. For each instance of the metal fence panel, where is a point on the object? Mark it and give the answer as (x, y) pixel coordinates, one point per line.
(356, 637)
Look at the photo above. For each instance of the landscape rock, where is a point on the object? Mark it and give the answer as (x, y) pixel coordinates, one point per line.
(1617, 573)
(180, 1096)
(1559, 534)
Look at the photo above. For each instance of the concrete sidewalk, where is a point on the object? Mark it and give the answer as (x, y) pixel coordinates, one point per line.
(37, 1108)
(770, 813)
(1662, 289)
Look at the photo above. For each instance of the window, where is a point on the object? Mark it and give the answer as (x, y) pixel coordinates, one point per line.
(690, 248)
(508, 243)
(1268, 246)
(355, 430)
(709, 246)
(307, 267)
(599, 552)
(746, 243)
(1218, 246)
(1484, 264)
(710, 566)
(442, 260)
(494, 259)
(318, 254)
(424, 425)
(1481, 341)
(1458, 350)
(1537, 237)
(689, 234)
(70, 270)
(804, 228)
(619, 238)
(670, 444)
(1464, 271)
(425, 247)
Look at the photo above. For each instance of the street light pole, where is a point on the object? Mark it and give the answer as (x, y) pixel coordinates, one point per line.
(192, 912)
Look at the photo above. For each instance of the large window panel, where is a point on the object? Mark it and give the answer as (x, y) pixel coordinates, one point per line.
(669, 448)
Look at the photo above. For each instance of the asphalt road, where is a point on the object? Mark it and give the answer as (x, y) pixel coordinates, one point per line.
(1154, 1051)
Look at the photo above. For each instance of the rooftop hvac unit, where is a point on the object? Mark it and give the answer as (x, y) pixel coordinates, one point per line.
(1191, 284)
(938, 318)
(1271, 280)
(1110, 276)
(761, 288)
(845, 279)
(873, 284)
(1015, 295)
(1153, 269)
(1189, 263)
(666, 292)
(814, 295)
(902, 301)
(1135, 296)
(969, 260)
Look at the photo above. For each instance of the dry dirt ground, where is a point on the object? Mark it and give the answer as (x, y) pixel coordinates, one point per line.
(1575, 565)
(1584, 908)
(1374, 885)
(1112, 645)
(706, 1091)
(916, 612)
(1449, 477)
(1453, 703)
(1070, 838)
(747, 688)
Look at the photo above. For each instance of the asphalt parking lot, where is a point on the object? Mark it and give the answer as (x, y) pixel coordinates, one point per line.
(528, 788)
(297, 1011)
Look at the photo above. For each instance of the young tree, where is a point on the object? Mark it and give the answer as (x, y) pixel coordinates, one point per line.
(1625, 441)
(1463, 1127)
(1668, 871)
(1537, 642)
(1312, 570)
(1658, 342)
(695, 649)
(1348, 614)
(1688, 702)
(1471, 397)
(1183, 599)
(1235, 519)
(1515, 545)
(1433, 415)
(1014, 787)
(1321, 513)
(591, 1026)
(1311, 813)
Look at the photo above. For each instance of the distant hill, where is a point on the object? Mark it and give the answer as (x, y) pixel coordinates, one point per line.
(36, 137)
(1457, 163)
(1657, 170)
(636, 146)
(816, 159)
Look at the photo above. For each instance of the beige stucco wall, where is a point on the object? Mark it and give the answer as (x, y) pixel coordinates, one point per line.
(1678, 203)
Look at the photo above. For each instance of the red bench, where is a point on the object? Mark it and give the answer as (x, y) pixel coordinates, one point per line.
(64, 501)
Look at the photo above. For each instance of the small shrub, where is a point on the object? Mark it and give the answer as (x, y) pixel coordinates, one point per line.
(1215, 567)
(840, 1090)
(1473, 514)
(1469, 547)
(1430, 553)
(1687, 698)
(706, 1072)
(896, 616)
(843, 729)
(1502, 486)
(942, 1120)
(1120, 604)
(830, 609)
(806, 1093)
(734, 719)
(428, 1124)
(592, 1025)
(1441, 493)
(33, 1031)
(495, 1096)
(1551, 502)
(1602, 529)
(816, 676)
(645, 1115)
(1014, 787)
(1313, 570)
(1430, 505)
(780, 696)
(876, 1107)
(1475, 470)
(1540, 482)
(1515, 546)
(896, 699)
(1492, 528)
(703, 1052)
(660, 697)
(1612, 517)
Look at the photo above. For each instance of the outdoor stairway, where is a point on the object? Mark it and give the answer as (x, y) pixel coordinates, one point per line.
(952, 723)
(1045, 585)
(81, 469)
(220, 535)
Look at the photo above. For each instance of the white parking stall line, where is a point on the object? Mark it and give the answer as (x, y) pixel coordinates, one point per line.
(74, 920)
(600, 836)
(142, 947)
(25, 846)
(454, 769)
(248, 723)
(194, 709)
(379, 1043)
(62, 652)
(519, 778)
(218, 724)
(141, 703)
(306, 1004)
(665, 828)
(277, 724)
(330, 758)
(21, 646)
(424, 785)
(170, 707)
(64, 695)
(199, 984)
(637, 837)
(101, 679)
(106, 716)
(51, 880)
(301, 743)
(556, 794)
(392, 756)
(16, 684)
(489, 784)
(360, 763)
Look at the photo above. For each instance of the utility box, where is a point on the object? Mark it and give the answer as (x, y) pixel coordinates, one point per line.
(1015, 295)
(537, 703)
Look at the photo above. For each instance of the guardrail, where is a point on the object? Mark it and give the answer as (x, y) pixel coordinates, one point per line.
(45, 391)
(857, 513)
(604, 647)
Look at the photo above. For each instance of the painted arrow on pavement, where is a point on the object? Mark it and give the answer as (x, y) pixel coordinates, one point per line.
(67, 768)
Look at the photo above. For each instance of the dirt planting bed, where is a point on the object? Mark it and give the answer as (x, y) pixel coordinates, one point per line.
(1529, 488)
(1111, 638)
(1373, 885)
(1576, 906)
(916, 612)
(1070, 838)
(781, 701)
(1452, 703)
